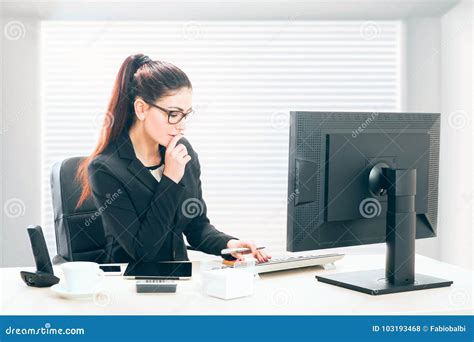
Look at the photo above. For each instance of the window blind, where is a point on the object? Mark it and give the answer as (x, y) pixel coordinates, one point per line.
(247, 76)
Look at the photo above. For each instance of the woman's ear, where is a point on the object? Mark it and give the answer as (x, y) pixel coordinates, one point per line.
(140, 107)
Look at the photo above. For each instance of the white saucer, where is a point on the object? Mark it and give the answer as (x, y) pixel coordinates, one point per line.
(62, 291)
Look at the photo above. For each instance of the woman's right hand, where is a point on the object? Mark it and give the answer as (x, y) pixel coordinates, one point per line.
(176, 158)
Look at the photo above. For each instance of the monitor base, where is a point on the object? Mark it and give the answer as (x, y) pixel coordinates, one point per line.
(373, 282)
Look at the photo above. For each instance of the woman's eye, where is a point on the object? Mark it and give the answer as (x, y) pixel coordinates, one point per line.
(174, 114)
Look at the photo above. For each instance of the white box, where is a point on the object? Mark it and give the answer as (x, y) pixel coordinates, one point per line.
(228, 283)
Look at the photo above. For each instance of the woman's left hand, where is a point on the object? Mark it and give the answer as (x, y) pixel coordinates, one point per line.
(260, 255)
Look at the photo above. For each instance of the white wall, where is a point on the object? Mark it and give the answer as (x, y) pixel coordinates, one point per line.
(456, 186)
(1, 143)
(20, 138)
(439, 79)
(422, 91)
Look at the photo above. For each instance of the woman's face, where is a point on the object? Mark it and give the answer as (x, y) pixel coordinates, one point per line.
(155, 120)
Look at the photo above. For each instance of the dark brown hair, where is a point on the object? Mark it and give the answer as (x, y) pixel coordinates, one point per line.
(138, 76)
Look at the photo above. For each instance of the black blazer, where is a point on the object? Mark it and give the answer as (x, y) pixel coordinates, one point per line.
(144, 220)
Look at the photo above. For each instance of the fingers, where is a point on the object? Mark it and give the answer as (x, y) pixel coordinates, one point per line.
(176, 159)
(183, 157)
(239, 256)
(260, 255)
(173, 142)
(255, 252)
(179, 148)
(264, 255)
(181, 153)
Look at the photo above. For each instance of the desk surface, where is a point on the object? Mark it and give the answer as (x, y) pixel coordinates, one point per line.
(284, 293)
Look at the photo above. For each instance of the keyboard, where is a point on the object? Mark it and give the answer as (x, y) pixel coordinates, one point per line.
(300, 261)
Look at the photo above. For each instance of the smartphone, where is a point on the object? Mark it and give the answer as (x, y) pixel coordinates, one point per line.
(159, 270)
(111, 269)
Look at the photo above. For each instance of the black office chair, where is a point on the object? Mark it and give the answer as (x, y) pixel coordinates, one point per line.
(75, 241)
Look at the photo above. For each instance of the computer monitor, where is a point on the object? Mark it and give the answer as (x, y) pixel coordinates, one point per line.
(360, 178)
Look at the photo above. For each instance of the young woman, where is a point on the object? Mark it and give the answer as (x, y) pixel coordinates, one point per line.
(144, 176)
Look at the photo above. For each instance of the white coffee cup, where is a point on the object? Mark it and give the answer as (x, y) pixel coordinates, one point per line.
(82, 276)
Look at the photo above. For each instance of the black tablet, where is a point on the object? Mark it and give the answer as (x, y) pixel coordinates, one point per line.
(159, 270)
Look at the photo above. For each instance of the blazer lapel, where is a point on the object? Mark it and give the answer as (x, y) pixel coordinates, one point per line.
(140, 172)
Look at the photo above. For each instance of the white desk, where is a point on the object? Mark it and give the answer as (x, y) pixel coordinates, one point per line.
(286, 293)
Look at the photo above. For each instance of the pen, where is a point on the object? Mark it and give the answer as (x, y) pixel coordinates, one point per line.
(238, 250)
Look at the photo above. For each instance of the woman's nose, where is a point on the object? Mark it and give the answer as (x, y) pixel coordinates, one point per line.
(181, 126)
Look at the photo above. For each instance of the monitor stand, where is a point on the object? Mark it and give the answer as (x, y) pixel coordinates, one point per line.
(399, 274)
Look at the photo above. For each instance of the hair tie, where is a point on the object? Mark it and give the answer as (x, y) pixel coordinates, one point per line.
(140, 61)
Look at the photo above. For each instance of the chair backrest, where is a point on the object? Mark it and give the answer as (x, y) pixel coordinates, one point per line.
(79, 235)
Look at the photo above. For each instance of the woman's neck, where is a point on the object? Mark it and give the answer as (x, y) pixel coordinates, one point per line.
(146, 149)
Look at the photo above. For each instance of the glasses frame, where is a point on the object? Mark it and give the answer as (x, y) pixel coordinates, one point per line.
(168, 112)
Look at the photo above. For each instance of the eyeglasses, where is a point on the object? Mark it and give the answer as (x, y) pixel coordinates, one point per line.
(174, 116)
